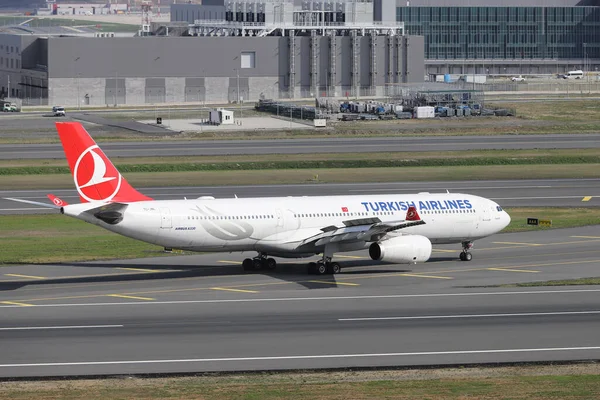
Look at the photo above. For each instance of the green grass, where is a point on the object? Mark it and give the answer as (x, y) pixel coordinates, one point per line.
(558, 111)
(318, 175)
(324, 163)
(565, 282)
(57, 238)
(472, 157)
(562, 217)
(314, 386)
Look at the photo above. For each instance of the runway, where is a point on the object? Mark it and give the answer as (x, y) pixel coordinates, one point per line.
(199, 313)
(314, 145)
(508, 193)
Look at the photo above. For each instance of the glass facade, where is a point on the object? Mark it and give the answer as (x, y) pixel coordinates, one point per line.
(505, 32)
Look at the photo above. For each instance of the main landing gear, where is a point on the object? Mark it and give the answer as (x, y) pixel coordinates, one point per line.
(260, 262)
(465, 255)
(324, 267)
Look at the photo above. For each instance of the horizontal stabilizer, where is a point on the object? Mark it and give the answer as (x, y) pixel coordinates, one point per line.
(37, 203)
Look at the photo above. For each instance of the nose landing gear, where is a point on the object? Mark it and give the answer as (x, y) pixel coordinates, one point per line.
(465, 255)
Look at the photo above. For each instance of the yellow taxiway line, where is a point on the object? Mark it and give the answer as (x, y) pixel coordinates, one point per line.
(512, 270)
(586, 198)
(336, 283)
(123, 296)
(234, 290)
(520, 243)
(139, 269)
(25, 276)
(16, 303)
(425, 276)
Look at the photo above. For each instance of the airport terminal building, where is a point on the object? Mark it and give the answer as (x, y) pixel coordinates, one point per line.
(518, 37)
(284, 50)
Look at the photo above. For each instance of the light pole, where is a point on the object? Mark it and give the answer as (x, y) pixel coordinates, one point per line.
(77, 79)
(237, 70)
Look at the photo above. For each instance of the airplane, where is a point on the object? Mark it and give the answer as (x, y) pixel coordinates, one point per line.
(396, 228)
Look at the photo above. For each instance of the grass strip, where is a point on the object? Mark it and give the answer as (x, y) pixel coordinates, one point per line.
(57, 238)
(565, 282)
(316, 175)
(319, 386)
(317, 164)
(562, 217)
(275, 158)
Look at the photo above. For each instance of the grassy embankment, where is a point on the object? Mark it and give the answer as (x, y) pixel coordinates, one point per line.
(42, 238)
(519, 383)
(319, 168)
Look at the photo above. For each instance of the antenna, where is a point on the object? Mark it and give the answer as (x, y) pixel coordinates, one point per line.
(146, 18)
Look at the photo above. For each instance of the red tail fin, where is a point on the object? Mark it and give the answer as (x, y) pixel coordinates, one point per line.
(96, 178)
(412, 214)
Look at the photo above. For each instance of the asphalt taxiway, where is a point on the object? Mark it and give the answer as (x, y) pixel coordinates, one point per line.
(508, 193)
(200, 313)
(313, 145)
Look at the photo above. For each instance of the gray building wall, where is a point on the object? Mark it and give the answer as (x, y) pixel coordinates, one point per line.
(149, 70)
(151, 57)
(495, 3)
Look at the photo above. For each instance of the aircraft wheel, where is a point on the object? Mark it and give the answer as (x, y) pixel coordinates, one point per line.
(335, 268)
(322, 269)
(257, 264)
(462, 256)
(247, 264)
(271, 263)
(468, 256)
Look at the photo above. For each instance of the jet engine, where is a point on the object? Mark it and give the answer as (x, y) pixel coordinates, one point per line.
(407, 249)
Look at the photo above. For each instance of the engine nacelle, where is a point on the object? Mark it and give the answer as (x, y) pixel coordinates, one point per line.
(407, 249)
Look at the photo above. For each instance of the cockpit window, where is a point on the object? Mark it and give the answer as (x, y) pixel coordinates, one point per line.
(498, 208)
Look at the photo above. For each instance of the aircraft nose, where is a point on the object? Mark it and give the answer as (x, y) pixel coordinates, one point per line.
(506, 220)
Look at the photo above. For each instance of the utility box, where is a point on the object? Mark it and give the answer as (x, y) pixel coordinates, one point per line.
(425, 112)
(220, 116)
(320, 123)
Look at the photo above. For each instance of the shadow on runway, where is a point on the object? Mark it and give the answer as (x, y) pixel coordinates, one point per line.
(293, 273)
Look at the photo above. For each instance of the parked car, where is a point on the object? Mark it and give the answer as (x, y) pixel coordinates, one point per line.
(59, 111)
(9, 107)
(518, 78)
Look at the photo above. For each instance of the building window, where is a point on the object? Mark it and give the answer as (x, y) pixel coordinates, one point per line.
(248, 59)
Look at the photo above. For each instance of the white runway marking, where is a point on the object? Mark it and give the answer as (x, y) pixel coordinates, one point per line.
(32, 328)
(300, 357)
(331, 298)
(470, 316)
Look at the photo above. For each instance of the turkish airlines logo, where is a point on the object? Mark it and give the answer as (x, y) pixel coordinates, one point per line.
(344, 209)
(96, 179)
(57, 201)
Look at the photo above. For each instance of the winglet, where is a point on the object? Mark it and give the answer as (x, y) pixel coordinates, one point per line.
(412, 214)
(57, 200)
(95, 176)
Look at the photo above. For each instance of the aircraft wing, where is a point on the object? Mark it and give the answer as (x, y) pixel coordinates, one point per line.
(365, 229)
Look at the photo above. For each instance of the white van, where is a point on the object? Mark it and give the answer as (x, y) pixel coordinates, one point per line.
(578, 74)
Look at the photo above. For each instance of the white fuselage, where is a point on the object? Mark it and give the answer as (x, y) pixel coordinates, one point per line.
(279, 225)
